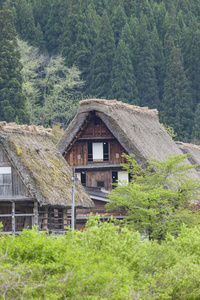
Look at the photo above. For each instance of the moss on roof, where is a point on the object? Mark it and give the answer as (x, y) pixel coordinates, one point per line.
(43, 169)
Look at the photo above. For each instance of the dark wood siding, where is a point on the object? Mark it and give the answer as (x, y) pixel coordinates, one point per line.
(18, 186)
(93, 130)
(93, 177)
(116, 150)
(78, 154)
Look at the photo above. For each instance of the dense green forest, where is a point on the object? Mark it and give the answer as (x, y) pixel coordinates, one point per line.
(143, 52)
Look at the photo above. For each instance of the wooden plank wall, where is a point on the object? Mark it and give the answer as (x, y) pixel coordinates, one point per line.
(79, 151)
(92, 130)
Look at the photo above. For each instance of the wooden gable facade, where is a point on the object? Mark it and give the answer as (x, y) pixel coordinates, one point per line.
(18, 209)
(35, 181)
(96, 154)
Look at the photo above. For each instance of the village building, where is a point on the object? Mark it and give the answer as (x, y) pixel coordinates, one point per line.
(35, 181)
(100, 133)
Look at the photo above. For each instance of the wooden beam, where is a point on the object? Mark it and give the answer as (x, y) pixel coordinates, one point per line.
(35, 209)
(13, 217)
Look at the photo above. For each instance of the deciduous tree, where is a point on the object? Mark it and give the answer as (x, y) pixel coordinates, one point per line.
(158, 198)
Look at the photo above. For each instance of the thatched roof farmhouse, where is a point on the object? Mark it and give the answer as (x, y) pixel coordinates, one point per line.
(104, 129)
(34, 176)
(136, 128)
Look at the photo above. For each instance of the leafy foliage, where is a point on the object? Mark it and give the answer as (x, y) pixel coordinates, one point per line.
(52, 89)
(102, 262)
(158, 198)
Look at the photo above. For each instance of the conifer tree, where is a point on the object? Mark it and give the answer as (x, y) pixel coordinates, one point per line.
(160, 12)
(12, 100)
(176, 109)
(39, 38)
(118, 22)
(122, 76)
(194, 68)
(54, 26)
(25, 21)
(145, 67)
(101, 63)
(196, 126)
(172, 27)
(83, 55)
(159, 61)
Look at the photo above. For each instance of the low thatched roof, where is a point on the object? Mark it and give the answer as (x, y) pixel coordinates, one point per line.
(194, 151)
(40, 165)
(136, 128)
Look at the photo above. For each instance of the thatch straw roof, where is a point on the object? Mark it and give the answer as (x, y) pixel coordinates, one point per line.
(40, 165)
(136, 128)
(194, 150)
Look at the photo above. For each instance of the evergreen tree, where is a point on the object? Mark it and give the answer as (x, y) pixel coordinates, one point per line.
(118, 22)
(159, 62)
(194, 68)
(196, 127)
(130, 7)
(82, 57)
(145, 68)
(12, 100)
(144, 8)
(54, 26)
(76, 35)
(25, 21)
(176, 106)
(101, 63)
(39, 38)
(160, 12)
(41, 12)
(172, 27)
(100, 6)
(122, 76)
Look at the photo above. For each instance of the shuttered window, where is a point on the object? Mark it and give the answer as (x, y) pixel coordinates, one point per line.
(98, 152)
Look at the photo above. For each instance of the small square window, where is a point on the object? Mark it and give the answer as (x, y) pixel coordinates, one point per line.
(100, 184)
(78, 156)
(117, 155)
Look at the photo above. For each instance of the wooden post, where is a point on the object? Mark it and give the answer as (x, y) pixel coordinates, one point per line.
(72, 209)
(13, 217)
(35, 213)
(75, 218)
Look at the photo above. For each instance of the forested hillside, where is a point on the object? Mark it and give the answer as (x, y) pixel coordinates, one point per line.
(144, 52)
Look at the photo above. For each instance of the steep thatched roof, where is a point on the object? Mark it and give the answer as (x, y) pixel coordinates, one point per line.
(136, 128)
(194, 150)
(42, 168)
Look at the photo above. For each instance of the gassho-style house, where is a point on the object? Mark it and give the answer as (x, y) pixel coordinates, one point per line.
(35, 181)
(96, 138)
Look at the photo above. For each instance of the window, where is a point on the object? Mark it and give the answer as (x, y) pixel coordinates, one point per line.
(100, 184)
(5, 181)
(121, 176)
(90, 156)
(98, 152)
(83, 178)
(114, 177)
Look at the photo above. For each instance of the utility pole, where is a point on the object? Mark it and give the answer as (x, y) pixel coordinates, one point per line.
(72, 209)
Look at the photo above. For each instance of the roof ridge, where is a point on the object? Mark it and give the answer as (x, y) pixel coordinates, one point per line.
(15, 128)
(120, 104)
